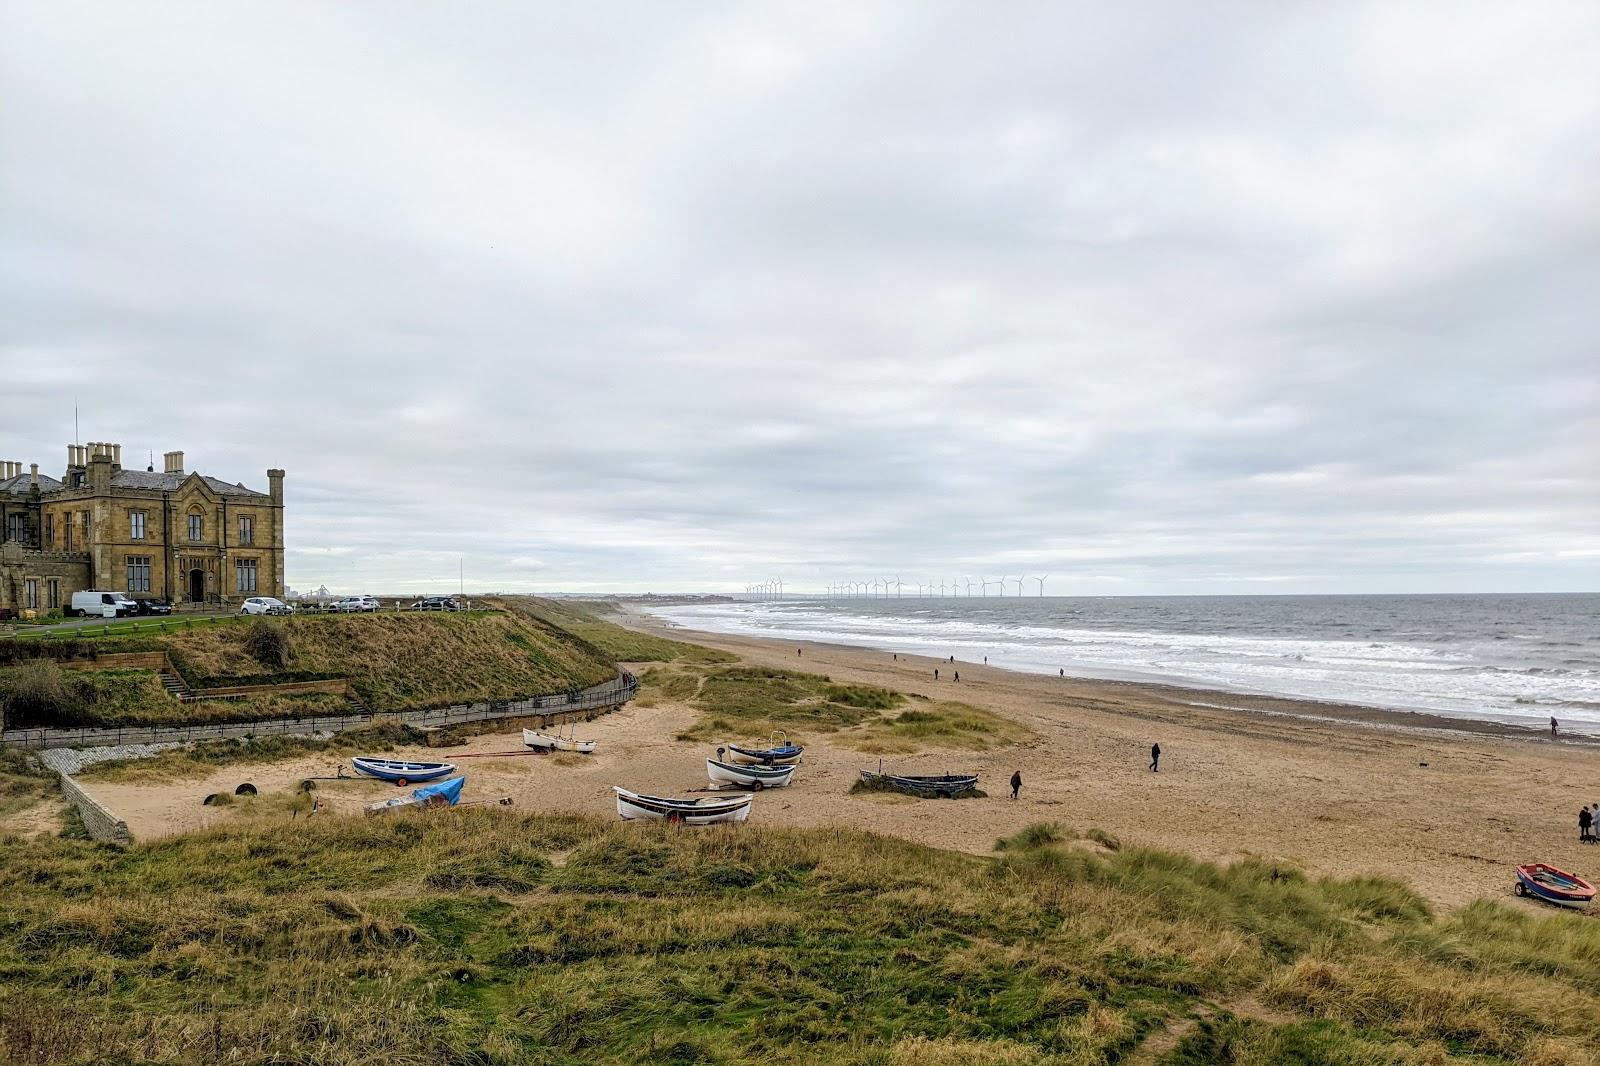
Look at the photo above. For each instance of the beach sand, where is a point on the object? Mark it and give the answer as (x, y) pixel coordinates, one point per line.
(1328, 789)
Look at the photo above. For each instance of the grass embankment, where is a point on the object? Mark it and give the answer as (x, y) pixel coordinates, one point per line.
(585, 619)
(486, 936)
(200, 758)
(24, 781)
(392, 661)
(755, 701)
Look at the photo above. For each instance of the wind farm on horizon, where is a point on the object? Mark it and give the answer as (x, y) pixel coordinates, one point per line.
(894, 588)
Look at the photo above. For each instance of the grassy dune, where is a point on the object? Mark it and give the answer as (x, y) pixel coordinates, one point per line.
(393, 661)
(485, 936)
(583, 619)
(757, 701)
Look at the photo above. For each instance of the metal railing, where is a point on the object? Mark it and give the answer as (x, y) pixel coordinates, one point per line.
(607, 694)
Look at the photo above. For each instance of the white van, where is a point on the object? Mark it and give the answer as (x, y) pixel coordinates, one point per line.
(92, 604)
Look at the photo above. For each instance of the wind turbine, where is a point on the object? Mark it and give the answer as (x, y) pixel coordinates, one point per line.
(1019, 581)
(1041, 581)
(898, 594)
(969, 588)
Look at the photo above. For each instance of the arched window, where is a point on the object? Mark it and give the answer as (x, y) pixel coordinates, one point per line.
(197, 526)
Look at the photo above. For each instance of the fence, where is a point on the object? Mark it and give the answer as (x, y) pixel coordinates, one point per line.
(607, 695)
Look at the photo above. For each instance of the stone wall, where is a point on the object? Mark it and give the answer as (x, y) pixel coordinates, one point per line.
(101, 823)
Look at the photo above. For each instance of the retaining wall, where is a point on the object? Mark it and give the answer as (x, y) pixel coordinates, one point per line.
(101, 823)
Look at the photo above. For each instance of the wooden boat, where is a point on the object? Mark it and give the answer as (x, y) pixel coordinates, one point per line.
(751, 777)
(1551, 885)
(546, 742)
(441, 794)
(632, 805)
(945, 785)
(785, 754)
(400, 771)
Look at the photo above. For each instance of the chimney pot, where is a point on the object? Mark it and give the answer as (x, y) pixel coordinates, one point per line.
(33, 478)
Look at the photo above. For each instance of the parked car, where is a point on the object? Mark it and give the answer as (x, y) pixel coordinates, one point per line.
(153, 607)
(436, 603)
(355, 603)
(92, 603)
(265, 605)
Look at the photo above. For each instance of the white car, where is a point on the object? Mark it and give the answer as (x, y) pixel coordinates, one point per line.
(355, 603)
(265, 605)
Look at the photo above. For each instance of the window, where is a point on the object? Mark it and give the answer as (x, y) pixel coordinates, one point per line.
(138, 573)
(244, 571)
(50, 532)
(197, 527)
(136, 525)
(247, 529)
(30, 593)
(52, 589)
(14, 526)
(85, 529)
(66, 527)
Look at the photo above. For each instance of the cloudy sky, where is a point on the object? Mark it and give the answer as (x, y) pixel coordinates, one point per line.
(1154, 298)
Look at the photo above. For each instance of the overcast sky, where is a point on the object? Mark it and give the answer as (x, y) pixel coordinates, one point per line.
(1154, 298)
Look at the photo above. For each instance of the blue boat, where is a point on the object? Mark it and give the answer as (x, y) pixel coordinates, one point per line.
(785, 754)
(1545, 882)
(400, 771)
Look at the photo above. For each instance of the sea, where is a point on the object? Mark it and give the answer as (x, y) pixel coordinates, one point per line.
(1517, 659)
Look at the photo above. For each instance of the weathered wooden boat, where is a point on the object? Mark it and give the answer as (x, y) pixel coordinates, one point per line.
(400, 771)
(441, 794)
(751, 777)
(1547, 883)
(546, 742)
(633, 805)
(927, 786)
(785, 754)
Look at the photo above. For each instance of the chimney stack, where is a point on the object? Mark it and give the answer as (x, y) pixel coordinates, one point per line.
(174, 462)
(116, 456)
(34, 475)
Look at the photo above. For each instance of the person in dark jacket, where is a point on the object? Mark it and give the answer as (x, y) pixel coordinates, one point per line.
(1016, 783)
(1585, 822)
(1155, 758)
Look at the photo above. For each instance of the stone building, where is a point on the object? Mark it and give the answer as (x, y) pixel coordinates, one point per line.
(174, 535)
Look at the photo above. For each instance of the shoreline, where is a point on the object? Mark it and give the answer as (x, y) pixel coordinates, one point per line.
(1328, 711)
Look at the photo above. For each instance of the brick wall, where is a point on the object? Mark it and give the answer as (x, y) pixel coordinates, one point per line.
(101, 823)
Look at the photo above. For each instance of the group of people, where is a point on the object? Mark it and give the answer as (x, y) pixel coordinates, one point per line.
(1589, 825)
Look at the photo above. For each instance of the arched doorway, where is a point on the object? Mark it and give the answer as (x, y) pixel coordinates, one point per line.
(197, 585)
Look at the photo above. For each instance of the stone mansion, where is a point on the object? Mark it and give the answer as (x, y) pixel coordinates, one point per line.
(175, 535)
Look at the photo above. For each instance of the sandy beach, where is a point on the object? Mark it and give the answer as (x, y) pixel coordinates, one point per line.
(1448, 807)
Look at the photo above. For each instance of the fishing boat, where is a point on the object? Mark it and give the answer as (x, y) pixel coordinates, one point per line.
(441, 794)
(785, 754)
(632, 805)
(546, 742)
(1551, 885)
(751, 777)
(399, 771)
(945, 785)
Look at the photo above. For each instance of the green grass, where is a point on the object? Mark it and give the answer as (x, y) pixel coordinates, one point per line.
(394, 661)
(24, 780)
(585, 620)
(492, 936)
(940, 725)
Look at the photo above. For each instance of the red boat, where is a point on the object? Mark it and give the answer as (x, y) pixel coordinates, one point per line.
(1547, 883)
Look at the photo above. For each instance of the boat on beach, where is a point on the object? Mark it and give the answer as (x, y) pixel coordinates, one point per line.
(1551, 885)
(748, 776)
(784, 754)
(440, 794)
(927, 786)
(400, 771)
(545, 742)
(635, 806)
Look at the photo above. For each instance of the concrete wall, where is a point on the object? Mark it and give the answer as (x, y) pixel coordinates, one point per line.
(101, 823)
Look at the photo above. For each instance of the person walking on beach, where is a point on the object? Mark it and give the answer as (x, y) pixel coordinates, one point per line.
(958, 675)
(1585, 821)
(1552, 726)
(936, 673)
(986, 660)
(1016, 783)
(1063, 671)
(1155, 758)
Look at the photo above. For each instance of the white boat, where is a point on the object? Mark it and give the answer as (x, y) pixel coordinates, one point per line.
(751, 777)
(633, 805)
(546, 742)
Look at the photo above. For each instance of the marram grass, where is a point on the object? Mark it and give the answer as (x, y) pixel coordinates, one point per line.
(490, 936)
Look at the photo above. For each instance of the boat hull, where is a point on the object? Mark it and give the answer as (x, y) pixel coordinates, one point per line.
(538, 741)
(545, 742)
(400, 772)
(944, 785)
(632, 806)
(748, 776)
(1551, 885)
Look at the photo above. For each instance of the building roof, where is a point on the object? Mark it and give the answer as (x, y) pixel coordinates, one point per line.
(150, 479)
(22, 482)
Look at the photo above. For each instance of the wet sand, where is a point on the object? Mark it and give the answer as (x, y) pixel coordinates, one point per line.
(1448, 807)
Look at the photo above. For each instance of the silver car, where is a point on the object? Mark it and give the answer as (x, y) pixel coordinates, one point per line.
(265, 605)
